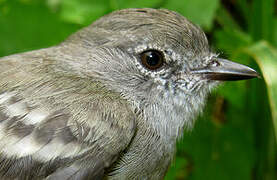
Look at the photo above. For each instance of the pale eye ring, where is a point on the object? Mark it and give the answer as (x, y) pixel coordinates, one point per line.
(152, 59)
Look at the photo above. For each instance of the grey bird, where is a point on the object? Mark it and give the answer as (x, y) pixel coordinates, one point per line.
(111, 101)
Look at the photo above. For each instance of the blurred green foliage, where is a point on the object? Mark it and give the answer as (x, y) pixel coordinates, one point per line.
(235, 138)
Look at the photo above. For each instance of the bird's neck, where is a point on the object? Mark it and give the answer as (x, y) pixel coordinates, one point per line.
(158, 127)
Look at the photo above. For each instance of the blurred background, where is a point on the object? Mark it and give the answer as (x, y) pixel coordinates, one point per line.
(235, 138)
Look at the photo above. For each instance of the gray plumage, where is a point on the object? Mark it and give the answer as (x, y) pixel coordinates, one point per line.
(89, 109)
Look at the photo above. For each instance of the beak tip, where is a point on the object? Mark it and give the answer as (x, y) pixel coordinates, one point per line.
(254, 74)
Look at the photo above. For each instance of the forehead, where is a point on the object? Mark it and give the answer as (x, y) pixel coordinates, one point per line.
(163, 26)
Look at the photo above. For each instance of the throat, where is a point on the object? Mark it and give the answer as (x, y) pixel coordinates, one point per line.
(170, 116)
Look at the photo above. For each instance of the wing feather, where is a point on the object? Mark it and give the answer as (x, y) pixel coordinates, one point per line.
(58, 126)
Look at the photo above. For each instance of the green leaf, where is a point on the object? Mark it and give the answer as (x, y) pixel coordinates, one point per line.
(266, 56)
(83, 12)
(244, 10)
(122, 4)
(231, 40)
(86, 11)
(261, 23)
(224, 18)
(198, 11)
(178, 170)
(30, 25)
(275, 32)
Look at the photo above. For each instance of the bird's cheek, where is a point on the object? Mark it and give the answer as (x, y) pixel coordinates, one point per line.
(184, 85)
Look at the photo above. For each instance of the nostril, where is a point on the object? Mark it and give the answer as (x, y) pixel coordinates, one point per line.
(214, 63)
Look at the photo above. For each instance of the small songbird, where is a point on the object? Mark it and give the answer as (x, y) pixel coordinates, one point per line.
(111, 101)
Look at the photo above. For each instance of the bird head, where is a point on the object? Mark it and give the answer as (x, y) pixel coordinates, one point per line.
(156, 59)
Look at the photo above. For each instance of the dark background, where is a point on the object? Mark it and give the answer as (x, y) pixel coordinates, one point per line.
(235, 138)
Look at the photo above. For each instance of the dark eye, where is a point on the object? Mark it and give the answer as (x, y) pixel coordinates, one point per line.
(152, 59)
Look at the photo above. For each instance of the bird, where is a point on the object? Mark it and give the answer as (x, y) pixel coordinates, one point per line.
(109, 102)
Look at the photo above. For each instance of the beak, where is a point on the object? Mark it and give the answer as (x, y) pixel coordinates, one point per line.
(227, 70)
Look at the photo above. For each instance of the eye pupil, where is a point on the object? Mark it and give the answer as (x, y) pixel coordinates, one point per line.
(152, 59)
